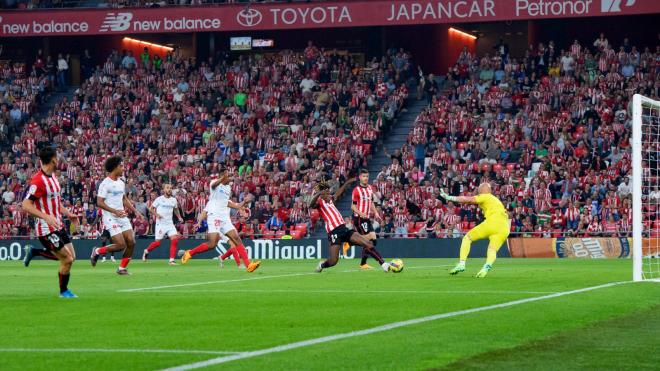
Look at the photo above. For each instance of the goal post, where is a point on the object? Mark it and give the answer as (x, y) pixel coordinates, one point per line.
(645, 188)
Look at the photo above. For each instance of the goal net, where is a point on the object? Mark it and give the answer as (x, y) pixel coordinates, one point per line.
(646, 188)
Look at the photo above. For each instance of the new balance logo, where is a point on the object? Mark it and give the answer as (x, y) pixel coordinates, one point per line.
(614, 6)
(116, 22)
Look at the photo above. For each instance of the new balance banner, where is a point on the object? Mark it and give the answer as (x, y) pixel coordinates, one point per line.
(593, 247)
(310, 15)
(278, 249)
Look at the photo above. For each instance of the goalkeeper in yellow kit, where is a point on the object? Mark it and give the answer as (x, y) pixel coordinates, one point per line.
(496, 227)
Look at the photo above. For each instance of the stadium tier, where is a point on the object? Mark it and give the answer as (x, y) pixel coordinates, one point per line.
(278, 123)
(550, 129)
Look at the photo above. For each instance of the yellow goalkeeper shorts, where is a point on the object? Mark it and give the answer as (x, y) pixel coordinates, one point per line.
(495, 230)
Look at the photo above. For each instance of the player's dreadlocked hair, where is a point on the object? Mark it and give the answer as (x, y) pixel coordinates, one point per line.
(322, 186)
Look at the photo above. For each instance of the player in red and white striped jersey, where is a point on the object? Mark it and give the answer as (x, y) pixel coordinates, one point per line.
(363, 206)
(335, 226)
(44, 202)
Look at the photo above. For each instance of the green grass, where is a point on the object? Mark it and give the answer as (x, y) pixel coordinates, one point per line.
(611, 328)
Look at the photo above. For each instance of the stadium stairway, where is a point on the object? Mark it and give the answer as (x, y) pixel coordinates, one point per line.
(54, 97)
(395, 139)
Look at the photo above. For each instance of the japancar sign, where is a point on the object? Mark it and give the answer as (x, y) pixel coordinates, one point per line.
(309, 15)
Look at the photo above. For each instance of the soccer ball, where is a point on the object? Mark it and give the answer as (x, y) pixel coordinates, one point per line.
(396, 266)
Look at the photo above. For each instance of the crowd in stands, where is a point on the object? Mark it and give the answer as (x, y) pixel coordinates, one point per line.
(278, 123)
(550, 131)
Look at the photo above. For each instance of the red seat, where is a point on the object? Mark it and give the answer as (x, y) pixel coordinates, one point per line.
(279, 234)
(485, 167)
(461, 145)
(497, 168)
(314, 215)
(511, 166)
(296, 234)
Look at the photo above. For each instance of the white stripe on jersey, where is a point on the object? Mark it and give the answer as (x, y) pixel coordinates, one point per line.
(331, 216)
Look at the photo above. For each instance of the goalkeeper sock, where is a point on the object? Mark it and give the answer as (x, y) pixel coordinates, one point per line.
(491, 255)
(466, 243)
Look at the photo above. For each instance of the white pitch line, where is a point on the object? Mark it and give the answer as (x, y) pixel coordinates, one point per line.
(374, 330)
(248, 279)
(212, 282)
(465, 292)
(85, 350)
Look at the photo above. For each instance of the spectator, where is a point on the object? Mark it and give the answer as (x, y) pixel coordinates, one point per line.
(62, 70)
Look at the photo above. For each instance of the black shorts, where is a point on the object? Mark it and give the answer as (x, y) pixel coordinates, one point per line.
(362, 226)
(55, 241)
(340, 235)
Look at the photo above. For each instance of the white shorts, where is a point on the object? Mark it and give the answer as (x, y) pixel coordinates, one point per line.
(115, 225)
(165, 229)
(218, 224)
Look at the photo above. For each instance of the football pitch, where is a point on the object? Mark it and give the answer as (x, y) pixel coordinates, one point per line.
(527, 314)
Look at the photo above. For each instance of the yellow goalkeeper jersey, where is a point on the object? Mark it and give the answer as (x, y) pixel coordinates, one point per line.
(491, 207)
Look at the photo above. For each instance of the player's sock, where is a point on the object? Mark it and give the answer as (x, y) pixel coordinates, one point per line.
(461, 263)
(233, 252)
(173, 245)
(365, 256)
(243, 253)
(44, 253)
(376, 255)
(201, 248)
(153, 245)
(465, 248)
(64, 281)
(124, 262)
(237, 256)
(491, 255)
(102, 250)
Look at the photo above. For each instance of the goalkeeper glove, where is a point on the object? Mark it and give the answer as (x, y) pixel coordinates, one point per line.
(446, 196)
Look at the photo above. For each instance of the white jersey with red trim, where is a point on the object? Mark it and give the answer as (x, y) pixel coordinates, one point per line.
(45, 192)
(331, 216)
(218, 204)
(113, 192)
(165, 208)
(362, 198)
